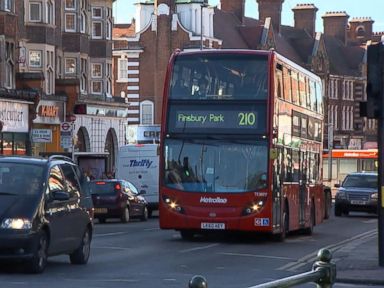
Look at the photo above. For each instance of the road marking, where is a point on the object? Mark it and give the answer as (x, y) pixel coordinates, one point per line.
(256, 256)
(111, 247)
(198, 248)
(312, 257)
(109, 234)
(151, 229)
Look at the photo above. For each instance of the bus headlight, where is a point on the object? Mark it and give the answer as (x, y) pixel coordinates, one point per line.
(16, 224)
(172, 204)
(253, 208)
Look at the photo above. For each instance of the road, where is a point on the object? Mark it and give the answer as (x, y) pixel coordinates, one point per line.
(140, 255)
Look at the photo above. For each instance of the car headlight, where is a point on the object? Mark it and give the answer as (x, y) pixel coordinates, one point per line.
(341, 195)
(16, 223)
(374, 196)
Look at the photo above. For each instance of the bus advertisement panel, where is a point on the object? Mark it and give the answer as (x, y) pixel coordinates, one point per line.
(240, 148)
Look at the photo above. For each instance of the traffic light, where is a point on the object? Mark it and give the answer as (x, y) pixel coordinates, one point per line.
(375, 79)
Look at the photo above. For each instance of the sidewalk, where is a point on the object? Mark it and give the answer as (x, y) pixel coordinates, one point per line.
(358, 262)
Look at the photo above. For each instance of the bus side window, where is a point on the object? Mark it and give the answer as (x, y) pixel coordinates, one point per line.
(288, 165)
(295, 166)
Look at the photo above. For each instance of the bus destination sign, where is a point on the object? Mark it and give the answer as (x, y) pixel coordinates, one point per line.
(241, 119)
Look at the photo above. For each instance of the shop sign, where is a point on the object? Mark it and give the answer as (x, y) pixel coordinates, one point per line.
(50, 112)
(42, 135)
(143, 134)
(14, 116)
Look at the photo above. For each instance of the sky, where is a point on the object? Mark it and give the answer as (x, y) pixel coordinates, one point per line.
(124, 10)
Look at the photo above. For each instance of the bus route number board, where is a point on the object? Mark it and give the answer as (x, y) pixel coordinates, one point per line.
(213, 226)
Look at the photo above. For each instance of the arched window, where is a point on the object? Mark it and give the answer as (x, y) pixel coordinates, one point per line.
(146, 112)
(360, 31)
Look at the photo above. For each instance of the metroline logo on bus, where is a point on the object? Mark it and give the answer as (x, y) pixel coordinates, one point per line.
(213, 200)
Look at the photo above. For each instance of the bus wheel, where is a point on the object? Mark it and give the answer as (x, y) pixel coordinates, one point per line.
(280, 237)
(312, 222)
(187, 234)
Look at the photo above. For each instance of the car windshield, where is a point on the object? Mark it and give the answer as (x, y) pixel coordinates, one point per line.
(361, 181)
(21, 178)
(104, 188)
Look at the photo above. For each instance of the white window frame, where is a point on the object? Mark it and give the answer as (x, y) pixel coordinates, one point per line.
(70, 8)
(101, 13)
(65, 65)
(101, 30)
(41, 58)
(146, 103)
(8, 5)
(74, 23)
(50, 15)
(83, 22)
(40, 11)
(93, 70)
(119, 72)
(101, 87)
(108, 30)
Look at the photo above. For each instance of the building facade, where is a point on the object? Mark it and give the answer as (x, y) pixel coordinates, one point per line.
(142, 49)
(63, 51)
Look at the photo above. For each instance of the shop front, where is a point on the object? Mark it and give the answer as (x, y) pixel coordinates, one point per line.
(45, 133)
(14, 137)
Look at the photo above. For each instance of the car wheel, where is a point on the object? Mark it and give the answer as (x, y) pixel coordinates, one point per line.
(81, 254)
(144, 217)
(337, 211)
(39, 260)
(125, 215)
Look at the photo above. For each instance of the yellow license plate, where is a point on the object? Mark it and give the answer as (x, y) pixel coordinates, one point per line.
(101, 210)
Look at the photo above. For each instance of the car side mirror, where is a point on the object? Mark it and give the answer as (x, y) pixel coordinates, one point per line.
(337, 186)
(60, 195)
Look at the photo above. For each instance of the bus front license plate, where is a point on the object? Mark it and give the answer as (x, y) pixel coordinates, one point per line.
(214, 226)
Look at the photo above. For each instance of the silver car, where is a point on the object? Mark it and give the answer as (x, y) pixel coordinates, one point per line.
(358, 192)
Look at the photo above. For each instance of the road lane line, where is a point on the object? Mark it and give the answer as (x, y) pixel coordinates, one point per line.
(256, 256)
(109, 234)
(312, 257)
(111, 247)
(198, 248)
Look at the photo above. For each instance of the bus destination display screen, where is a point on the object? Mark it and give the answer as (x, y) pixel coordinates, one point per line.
(217, 119)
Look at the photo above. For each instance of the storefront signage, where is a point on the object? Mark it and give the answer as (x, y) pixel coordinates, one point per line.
(14, 116)
(141, 134)
(42, 135)
(50, 112)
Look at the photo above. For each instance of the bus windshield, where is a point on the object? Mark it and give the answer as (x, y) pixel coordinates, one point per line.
(223, 166)
(224, 76)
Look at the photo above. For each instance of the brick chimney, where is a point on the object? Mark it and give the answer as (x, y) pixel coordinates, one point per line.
(360, 30)
(234, 6)
(271, 8)
(336, 24)
(305, 17)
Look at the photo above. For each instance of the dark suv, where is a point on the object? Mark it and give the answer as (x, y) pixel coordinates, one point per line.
(358, 192)
(43, 211)
(117, 198)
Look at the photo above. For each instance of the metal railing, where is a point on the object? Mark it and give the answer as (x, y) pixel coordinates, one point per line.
(323, 273)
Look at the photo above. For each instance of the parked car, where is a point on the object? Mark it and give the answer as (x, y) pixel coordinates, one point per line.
(115, 198)
(358, 192)
(41, 211)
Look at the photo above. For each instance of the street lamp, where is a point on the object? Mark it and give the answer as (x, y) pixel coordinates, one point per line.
(203, 5)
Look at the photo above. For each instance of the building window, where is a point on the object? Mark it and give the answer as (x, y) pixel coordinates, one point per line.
(97, 87)
(35, 11)
(146, 112)
(50, 73)
(97, 12)
(84, 78)
(9, 66)
(70, 22)
(83, 22)
(108, 29)
(123, 69)
(97, 32)
(35, 59)
(50, 12)
(97, 70)
(70, 4)
(8, 5)
(70, 65)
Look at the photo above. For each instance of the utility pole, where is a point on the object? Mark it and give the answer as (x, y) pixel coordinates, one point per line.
(375, 109)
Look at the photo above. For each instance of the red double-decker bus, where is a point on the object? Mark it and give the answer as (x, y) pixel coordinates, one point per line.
(241, 144)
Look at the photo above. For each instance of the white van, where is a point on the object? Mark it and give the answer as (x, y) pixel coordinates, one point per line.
(139, 164)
